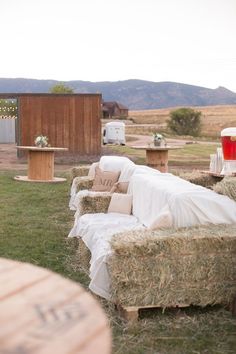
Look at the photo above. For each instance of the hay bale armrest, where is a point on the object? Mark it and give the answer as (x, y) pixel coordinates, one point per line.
(79, 171)
(227, 187)
(95, 202)
(83, 182)
(169, 268)
(199, 178)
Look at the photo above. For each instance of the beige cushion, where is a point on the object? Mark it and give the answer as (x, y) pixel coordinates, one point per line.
(104, 180)
(120, 203)
(120, 187)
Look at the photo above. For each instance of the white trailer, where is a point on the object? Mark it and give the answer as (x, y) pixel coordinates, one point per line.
(114, 133)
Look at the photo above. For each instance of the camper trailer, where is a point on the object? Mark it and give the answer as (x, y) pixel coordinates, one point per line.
(114, 133)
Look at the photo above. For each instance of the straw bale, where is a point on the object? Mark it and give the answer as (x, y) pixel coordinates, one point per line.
(83, 183)
(79, 171)
(95, 203)
(227, 187)
(174, 267)
(83, 255)
(199, 178)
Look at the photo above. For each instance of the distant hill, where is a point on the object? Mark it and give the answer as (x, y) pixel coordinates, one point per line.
(135, 94)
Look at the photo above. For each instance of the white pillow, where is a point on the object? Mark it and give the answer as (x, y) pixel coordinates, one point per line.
(120, 203)
(113, 163)
(91, 172)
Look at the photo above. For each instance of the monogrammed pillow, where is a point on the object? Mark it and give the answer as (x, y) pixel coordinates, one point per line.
(104, 180)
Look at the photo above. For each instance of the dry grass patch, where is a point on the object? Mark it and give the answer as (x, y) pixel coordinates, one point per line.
(214, 118)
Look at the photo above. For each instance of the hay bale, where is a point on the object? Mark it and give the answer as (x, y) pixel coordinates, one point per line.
(79, 171)
(174, 267)
(83, 256)
(83, 183)
(94, 203)
(199, 178)
(227, 187)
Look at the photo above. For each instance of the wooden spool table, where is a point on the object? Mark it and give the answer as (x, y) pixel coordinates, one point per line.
(40, 164)
(44, 313)
(157, 156)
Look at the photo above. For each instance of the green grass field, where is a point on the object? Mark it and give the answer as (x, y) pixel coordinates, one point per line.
(188, 157)
(35, 221)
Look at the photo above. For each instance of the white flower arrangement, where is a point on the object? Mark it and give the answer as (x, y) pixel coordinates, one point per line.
(158, 136)
(159, 139)
(41, 141)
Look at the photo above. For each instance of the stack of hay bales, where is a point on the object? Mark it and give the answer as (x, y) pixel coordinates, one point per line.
(188, 266)
(199, 178)
(168, 268)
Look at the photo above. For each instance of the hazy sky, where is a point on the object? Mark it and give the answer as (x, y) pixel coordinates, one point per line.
(188, 41)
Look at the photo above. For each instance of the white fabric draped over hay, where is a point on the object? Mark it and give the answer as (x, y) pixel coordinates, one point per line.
(96, 230)
(187, 203)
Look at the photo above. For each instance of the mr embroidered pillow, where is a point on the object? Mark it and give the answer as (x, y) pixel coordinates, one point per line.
(104, 180)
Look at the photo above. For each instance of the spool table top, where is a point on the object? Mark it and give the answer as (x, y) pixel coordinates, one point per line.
(36, 148)
(156, 148)
(44, 313)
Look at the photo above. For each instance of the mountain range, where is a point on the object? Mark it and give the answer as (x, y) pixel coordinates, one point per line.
(135, 94)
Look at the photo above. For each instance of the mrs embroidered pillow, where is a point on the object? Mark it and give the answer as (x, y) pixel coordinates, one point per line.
(104, 180)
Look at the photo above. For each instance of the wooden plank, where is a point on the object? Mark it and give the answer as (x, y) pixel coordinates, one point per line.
(71, 121)
(131, 313)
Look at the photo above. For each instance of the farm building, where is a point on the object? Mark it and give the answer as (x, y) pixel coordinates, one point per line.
(68, 120)
(114, 110)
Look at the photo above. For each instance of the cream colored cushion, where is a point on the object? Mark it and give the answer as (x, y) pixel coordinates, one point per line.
(104, 180)
(120, 187)
(120, 203)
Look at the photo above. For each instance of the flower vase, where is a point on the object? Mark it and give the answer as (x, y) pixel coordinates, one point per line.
(157, 142)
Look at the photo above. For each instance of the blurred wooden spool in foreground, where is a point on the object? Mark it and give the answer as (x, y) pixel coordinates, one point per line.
(44, 313)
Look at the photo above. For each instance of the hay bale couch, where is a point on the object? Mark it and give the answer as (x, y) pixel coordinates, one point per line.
(177, 248)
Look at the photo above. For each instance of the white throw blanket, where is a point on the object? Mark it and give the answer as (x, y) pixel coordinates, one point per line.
(96, 230)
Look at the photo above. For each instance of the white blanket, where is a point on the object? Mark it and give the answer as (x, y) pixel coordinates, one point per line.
(96, 230)
(188, 203)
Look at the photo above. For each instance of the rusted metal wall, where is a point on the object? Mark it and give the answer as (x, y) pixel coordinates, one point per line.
(68, 120)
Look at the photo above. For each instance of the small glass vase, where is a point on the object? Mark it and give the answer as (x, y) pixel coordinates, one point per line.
(157, 142)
